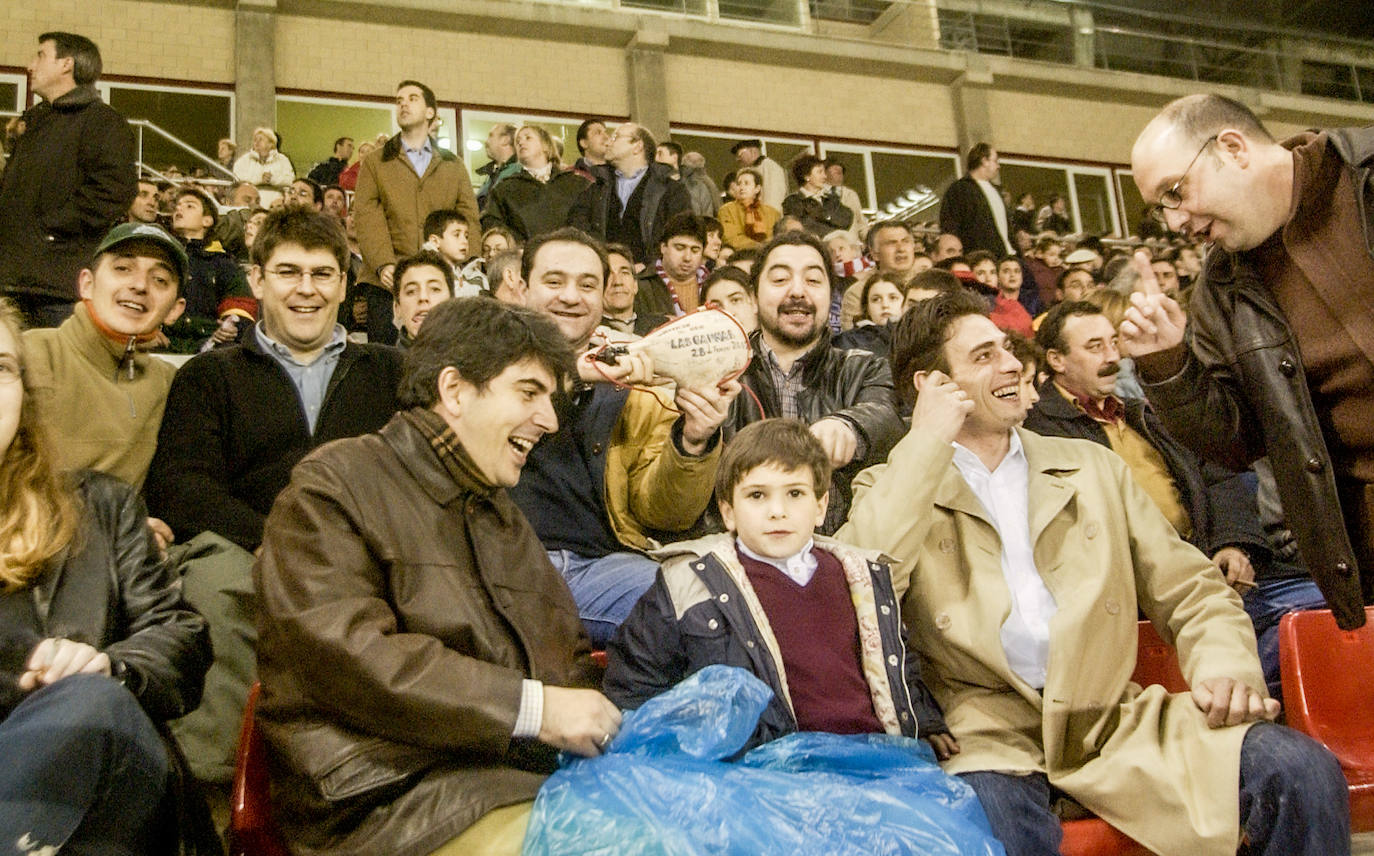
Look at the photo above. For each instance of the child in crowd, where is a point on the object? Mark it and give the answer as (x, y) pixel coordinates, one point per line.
(813, 618)
(881, 300)
(423, 281)
(446, 232)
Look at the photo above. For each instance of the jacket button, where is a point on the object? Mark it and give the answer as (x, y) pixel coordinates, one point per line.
(596, 448)
(1314, 465)
(713, 624)
(724, 598)
(943, 621)
(1112, 606)
(749, 644)
(1091, 529)
(905, 716)
(885, 609)
(892, 659)
(1287, 368)
(1344, 568)
(946, 545)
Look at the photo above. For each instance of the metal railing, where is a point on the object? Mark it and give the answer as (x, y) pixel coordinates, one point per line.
(1003, 35)
(143, 126)
(1119, 49)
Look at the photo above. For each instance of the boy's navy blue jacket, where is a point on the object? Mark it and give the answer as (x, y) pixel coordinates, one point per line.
(702, 611)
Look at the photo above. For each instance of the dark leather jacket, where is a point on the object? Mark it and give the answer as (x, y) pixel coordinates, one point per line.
(111, 590)
(1242, 393)
(854, 386)
(401, 609)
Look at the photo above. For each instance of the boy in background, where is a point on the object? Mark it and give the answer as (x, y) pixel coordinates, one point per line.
(446, 233)
(813, 618)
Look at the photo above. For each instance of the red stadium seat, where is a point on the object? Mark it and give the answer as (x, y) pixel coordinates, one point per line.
(1329, 695)
(251, 829)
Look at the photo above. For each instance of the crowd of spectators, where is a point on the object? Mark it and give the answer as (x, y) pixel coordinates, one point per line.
(420, 599)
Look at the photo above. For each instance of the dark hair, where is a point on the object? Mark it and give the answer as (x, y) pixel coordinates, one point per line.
(1050, 336)
(683, 223)
(948, 263)
(207, 205)
(976, 155)
(316, 192)
(306, 228)
(977, 256)
(1201, 116)
(802, 166)
(621, 250)
(479, 338)
(886, 224)
(340, 140)
(748, 254)
(1027, 351)
(583, 132)
(85, 55)
(829, 162)
(918, 340)
(934, 279)
(711, 224)
(430, 101)
(672, 147)
(724, 273)
(791, 239)
(565, 235)
(324, 191)
(1066, 272)
(785, 443)
(873, 279)
(511, 239)
(436, 222)
(423, 258)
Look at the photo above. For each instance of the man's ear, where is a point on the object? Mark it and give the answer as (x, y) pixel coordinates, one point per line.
(85, 283)
(450, 388)
(918, 380)
(822, 504)
(255, 281)
(727, 515)
(1234, 145)
(1055, 360)
(175, 312)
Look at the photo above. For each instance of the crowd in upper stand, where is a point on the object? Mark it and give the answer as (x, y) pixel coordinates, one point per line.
(933, 504)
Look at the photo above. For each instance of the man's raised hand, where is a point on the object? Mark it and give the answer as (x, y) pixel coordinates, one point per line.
(941, 406)
(1154, 322)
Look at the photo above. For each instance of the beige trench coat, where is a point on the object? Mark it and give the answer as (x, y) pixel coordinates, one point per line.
(1144, 761)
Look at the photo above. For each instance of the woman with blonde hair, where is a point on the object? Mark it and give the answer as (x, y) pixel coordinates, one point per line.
(95, 646)
(746, 222)
(535, 199)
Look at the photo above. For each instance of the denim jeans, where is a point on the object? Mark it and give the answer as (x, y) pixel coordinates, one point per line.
(82, 769)
(604, 589)
(1293, 800)
(1266, 604)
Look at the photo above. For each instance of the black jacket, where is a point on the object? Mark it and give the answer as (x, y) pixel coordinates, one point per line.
(234, 428)
(530, 207)
(965, 212)
(111, 590)
(855, 386)
(819, 216)
(71, 177)
(663, 197)
(327, 172)
(1242, 393)
(1221, 505)
(695, 616)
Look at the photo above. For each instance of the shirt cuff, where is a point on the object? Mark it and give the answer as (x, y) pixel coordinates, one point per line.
(530, 719)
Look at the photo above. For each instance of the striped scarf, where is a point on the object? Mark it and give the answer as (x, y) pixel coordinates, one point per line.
(450, 452)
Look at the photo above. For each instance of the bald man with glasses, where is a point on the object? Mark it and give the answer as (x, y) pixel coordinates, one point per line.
(1276, 354)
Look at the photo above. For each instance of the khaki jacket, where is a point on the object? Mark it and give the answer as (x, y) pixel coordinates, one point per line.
(1143, 760)
(392, 202)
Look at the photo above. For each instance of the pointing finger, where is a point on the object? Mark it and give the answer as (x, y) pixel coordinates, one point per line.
(1147, 283)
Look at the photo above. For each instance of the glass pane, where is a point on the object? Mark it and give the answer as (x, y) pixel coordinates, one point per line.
(476, 128)
(716, 150)
(9, 97)
(896, 174)
(197, 119)
(784, 12)
(308, 130)
(1094, 203)
(1042, 182)
(784, 154)
(855, 173)
(1132, 203)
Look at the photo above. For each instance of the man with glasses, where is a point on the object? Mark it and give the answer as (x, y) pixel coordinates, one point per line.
(237, 420)
(1278, 356)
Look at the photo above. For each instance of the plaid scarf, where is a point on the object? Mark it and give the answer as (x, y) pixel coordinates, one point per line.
(449, 451)
(753, 222)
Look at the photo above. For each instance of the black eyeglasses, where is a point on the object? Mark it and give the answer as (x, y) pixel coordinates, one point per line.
(1171, 199)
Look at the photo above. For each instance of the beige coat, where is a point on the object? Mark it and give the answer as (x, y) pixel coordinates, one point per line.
(392, 202)
(1144, 761)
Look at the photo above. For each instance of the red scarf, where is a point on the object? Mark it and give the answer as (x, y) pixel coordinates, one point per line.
(753, 222)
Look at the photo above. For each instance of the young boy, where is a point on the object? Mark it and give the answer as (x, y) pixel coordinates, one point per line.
(446, 233)
(423, 281)
(813, 618)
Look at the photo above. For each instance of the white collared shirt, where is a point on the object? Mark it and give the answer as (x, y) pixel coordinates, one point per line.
(1005, 495)
(999, 210)
(799, 568)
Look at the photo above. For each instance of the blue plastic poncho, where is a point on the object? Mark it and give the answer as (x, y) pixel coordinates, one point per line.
(662, 788)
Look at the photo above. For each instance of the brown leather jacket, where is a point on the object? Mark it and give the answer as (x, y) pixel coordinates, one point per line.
(400, 611)
(1242, 394)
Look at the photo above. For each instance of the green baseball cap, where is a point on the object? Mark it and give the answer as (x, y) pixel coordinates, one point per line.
(125, 232)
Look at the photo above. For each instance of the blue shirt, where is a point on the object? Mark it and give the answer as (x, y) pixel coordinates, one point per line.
(625, 185)
(310, 379)
(419, 158)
